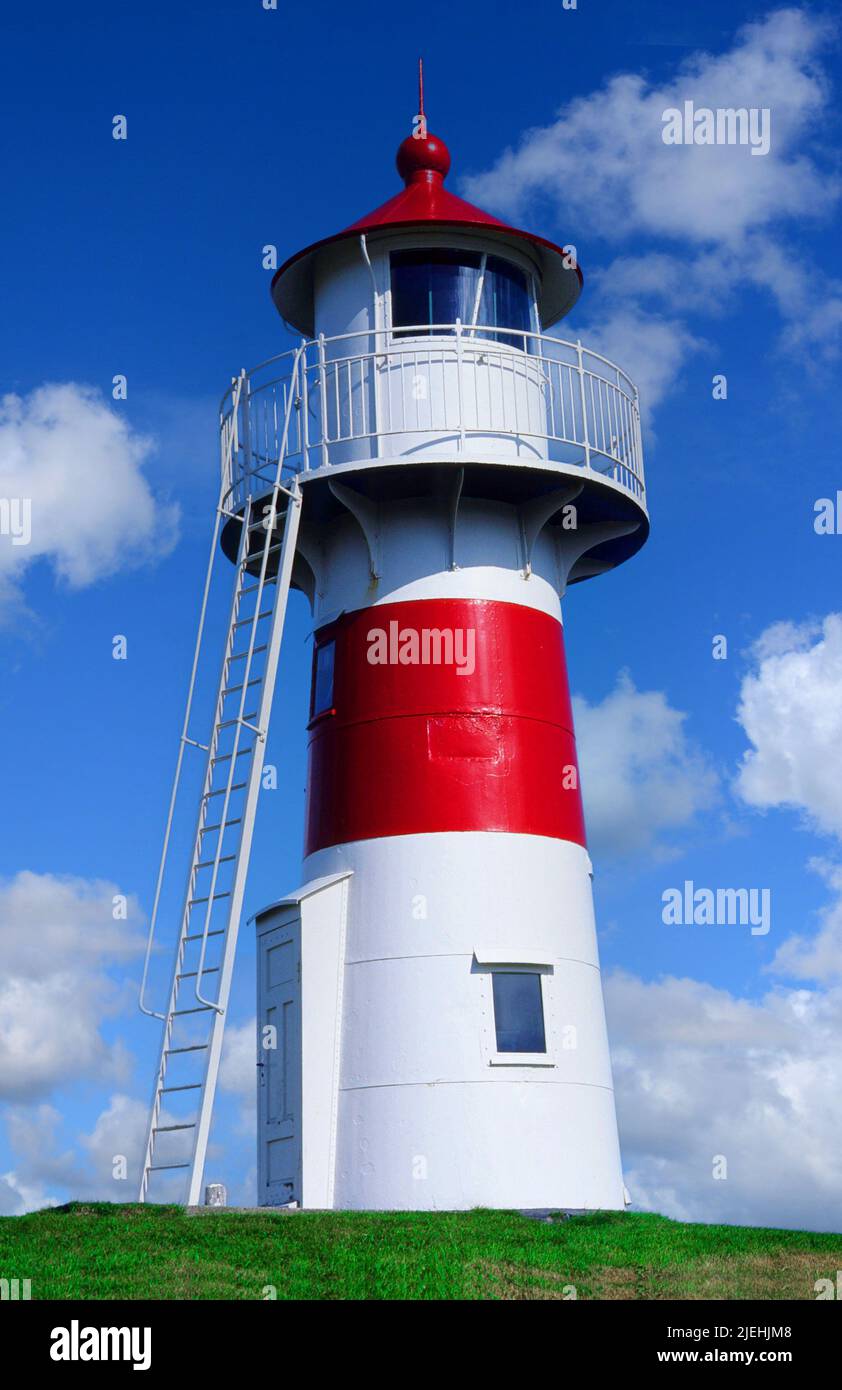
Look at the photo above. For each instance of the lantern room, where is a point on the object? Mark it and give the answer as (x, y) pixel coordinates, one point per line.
(426, 347)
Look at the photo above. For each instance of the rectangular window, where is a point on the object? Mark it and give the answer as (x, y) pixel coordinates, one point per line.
(323, 662)
(518, 1011)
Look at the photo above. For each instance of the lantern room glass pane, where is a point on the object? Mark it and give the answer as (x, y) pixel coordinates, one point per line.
(518, 1011)
(505, 299)
(432, 285)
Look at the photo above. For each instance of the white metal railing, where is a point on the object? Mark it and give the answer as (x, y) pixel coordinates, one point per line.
(413, 392)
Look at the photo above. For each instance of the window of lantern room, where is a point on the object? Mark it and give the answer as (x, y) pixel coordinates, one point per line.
(432, 287)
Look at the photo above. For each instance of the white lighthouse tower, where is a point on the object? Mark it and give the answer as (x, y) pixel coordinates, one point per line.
(433, 469)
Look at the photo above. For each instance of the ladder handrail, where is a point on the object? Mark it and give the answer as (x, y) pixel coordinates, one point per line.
(234, 429)
(246, 676)
(242, 559)
(184, 740)
(214, 1054)
(170, 1015)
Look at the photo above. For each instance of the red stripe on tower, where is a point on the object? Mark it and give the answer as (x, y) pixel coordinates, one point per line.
(442, 715)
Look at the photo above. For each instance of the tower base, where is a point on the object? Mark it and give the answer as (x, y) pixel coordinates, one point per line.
(387, 1087)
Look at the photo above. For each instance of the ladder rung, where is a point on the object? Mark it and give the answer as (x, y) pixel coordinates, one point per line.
(199, 1009)
(232, 689)
(255, 618)
(238, 656)
(236, 787)
(163, 1129)
(229, 723)
(200, 935)
(191, 974)
(193, 1086)
(192, 1047)
(209, 863)
(221, 825)
(240, 753)
(211, 898)
(159, 1167)
(253, 588)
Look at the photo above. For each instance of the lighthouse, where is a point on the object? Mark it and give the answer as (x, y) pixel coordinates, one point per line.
(433, 466)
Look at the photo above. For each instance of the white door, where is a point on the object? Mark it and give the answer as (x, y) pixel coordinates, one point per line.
(279, 1066)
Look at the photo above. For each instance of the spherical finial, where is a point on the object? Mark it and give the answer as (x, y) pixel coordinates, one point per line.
(418, 157)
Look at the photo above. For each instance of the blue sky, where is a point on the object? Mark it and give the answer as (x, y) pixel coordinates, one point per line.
(143, 257)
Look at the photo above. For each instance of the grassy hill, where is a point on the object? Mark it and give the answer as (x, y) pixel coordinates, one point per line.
(108, 1252)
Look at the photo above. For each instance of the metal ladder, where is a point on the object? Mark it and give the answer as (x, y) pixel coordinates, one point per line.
(194, 1027)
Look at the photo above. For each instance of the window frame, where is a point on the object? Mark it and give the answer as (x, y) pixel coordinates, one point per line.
(399, 335)
(316, 715)
(545, 970)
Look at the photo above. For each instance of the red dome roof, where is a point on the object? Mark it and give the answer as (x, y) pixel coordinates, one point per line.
(423, 163)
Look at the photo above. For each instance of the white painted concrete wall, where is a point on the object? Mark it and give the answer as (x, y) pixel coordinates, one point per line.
(428, 1117)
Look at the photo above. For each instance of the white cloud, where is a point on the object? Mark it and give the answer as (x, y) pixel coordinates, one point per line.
(104, 1163)
(78, 465)
(107, 1169)
(239, 1056)
(641, 775)
(637, 305)
(33, 1138)
(238, 1076)
(120, 1131)
(700, 1072)
(18, 1195)
(706, 221)
(817, 957)
(62, 953)
(51, 921)
(603, 163)
(657, 346)
(782, 638)
(56, 937)
(49, 1033)
(791, 711)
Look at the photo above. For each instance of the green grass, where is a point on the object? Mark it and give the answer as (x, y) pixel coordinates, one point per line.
(109, 1252)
